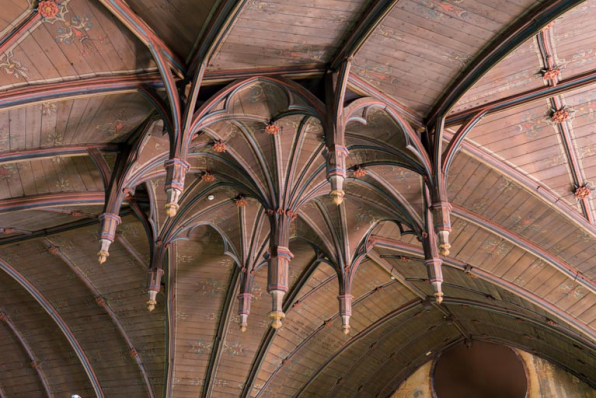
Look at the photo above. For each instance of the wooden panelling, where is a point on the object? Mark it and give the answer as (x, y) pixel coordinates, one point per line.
(75, 122)
(301, 321)
(459, 285)
(532, 266)
(122, 284)
(282, 32)
(101, 341)
(23, 222)
(545, 341)
(18, 377)
(406, 183)
(507, 204)
(55, 175)
(423, 44)
(325, 338)
(59, 362)
(82, 40)
(516, 73)
(13, 12)
(574, 40)
(527, 139)
(582, 103)
(369, 138)
(396, 344)
(239, 348)
(203, 277)
(189, 16)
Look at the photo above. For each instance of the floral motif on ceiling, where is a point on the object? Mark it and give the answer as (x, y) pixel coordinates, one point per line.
(496, 246)
(12, 66)
(9, 171)
(234, 348)
(303, 53)
(70, 31)
(200, 347)
(210, 287)
(435, 9)
(531, 124)
(74, 29)
(113, 129)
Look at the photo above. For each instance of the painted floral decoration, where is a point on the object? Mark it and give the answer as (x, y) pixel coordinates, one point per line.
(560, 116)
(219, 146)
(48, 8)
(13, 66)
(359, 172)
(582, 192)
(272, 129)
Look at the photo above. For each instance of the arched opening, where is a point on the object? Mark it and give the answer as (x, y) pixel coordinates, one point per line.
(481, 370)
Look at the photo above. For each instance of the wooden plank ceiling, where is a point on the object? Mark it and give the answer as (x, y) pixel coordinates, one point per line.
(285, 32)
(95, 96)
(81, 40)
(423, 44)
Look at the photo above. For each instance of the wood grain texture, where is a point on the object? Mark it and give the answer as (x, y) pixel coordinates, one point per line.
(405, 57)
(49, 346)
(573, 42)
(520, 71)
(281, 32)
(527, 139)
(77, 174)
(113, 366)
(13, 12)
(81, 40)
(522, 265)
(74, 122)
(190, 17)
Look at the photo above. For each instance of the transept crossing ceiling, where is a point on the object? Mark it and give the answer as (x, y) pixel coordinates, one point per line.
(291, 199)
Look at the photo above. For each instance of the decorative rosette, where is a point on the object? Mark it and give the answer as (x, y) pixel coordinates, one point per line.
(240, 201)
(48, 8)
(359, 172)
(559, 116)
(272, 129)
(582, 192)
(219, 146)
(207, 177)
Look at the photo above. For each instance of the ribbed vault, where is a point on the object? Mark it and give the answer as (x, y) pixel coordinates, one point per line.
(290, 199)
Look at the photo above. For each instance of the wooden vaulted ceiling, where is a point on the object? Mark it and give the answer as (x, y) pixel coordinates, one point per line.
(96, 95)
